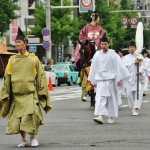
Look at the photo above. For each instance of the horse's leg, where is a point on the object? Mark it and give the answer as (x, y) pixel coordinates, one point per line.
(92, 98)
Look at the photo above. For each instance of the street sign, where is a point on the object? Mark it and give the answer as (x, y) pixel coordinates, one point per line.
(45, 32)
(32, 48)
(86, 5)
(13, 30)
(125, 20)
(133, 20)
(46, 44)
(45, 38)
(60, 54)
(33, 40)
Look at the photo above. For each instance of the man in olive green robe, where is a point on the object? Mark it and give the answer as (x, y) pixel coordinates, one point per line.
(24, 91)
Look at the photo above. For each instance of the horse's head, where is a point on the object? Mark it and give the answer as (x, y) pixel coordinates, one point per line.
(83, 43)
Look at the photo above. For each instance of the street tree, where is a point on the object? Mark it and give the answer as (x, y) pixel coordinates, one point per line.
(7, 13)
(147, 37)
(130, 32)
(61, 22)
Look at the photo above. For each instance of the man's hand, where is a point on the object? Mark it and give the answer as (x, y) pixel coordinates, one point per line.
(118, 83)
(138, 73)
(95, 85)
(137, 61)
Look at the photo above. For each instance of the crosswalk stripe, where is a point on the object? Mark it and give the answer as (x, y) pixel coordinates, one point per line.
(72, 96)
(124, 106)
(64, 91)
(145, 101)
(68, 93)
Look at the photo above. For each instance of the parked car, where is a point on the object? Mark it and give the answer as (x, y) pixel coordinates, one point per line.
(52, 75)
(65, 72)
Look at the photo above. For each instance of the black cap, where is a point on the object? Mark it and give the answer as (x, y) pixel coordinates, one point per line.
(20, 35)
(94, 14)
(105, 39)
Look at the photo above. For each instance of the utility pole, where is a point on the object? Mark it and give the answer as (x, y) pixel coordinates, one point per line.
(48, 26)
(48, 23)
(107, 2)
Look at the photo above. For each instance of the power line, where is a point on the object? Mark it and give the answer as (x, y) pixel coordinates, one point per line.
(117, 11)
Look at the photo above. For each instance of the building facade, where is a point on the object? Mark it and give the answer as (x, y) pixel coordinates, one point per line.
(144, 10)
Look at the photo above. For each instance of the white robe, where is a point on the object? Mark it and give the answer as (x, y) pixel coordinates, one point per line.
(131, 88)
(106, 69)
(124, 91)
(147, 67)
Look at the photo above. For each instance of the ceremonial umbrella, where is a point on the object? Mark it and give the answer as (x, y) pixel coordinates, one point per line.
(139, 37)
(139, 46)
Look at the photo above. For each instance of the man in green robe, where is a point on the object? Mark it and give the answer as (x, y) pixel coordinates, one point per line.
(24, 92)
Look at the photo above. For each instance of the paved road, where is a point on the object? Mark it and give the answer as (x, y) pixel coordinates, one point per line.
(70, 126)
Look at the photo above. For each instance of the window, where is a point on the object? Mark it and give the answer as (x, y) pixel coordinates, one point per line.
(30, 3)
(71, 68)
(29, 21)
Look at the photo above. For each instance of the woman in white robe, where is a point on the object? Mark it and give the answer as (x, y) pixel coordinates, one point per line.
(147, 67)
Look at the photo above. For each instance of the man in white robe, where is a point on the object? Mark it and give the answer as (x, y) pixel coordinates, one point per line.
(147, 67)
(120, 53)
(132, 60)
(106, 73)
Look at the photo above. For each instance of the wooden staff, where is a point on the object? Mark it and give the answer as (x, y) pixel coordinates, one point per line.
(138, 81)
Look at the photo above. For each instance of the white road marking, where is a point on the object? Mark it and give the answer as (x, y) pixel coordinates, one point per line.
(124, 106)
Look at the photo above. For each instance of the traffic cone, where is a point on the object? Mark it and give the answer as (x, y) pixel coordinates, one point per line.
(50, 86)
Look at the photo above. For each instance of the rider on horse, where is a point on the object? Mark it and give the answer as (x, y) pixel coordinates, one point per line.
(89, 41)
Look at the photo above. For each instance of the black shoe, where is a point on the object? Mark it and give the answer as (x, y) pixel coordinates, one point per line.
(92, 107)
(144, 94)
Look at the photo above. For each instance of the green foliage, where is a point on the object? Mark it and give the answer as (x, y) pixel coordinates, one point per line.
(39, 20)
(111, 23)
(7, 13)
(61, 22)
(130, 32)
(147, 37)
(78, 24)
(63, 27)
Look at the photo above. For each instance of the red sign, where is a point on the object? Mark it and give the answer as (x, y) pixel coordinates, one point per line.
(133, 20)
(45, 32)
(125, 20)
(86, 3)
(13, 31)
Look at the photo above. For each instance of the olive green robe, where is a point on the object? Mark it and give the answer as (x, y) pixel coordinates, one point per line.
(23, 94)
(83, 83)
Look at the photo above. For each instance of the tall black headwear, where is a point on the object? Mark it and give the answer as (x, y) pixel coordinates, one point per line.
(20, 35)
(94, 14)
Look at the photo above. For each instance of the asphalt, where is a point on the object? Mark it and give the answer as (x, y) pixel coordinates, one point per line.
(70, 126)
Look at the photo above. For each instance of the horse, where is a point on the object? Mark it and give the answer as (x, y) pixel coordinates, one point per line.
(87, 52)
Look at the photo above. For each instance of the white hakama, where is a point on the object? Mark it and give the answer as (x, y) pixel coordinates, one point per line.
(106, 69)
(131, 86)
